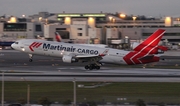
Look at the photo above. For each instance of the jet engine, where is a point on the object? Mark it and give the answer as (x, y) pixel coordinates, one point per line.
(69, 59)
(134, 45)
(159, 49)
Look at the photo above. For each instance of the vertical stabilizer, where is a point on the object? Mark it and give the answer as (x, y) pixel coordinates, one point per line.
(144, 52)
(151, 43)
(58, 37)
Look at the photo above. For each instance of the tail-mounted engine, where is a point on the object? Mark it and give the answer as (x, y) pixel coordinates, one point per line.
(134, 45)
(157, 50)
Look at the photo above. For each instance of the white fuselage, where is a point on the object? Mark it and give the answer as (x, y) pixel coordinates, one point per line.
(59, 49)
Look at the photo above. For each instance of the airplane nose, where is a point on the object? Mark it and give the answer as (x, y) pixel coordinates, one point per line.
(12, 45)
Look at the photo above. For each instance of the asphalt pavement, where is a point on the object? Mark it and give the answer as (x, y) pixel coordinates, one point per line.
(16, 65)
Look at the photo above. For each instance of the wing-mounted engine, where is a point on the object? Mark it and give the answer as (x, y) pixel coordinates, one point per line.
(69, 59)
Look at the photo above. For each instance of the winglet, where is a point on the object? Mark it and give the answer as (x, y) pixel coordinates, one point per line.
(104, 53)
(58, 37)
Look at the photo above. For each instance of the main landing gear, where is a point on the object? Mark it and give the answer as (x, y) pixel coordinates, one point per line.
(30, 57)
(92, 66)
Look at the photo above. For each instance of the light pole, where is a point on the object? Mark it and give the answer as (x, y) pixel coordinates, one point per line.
(74, 81)
(2, 98)
(28, 92)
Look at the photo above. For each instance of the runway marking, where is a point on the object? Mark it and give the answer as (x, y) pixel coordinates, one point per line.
(48, 60)
(21, 66)
(62, 68)
(66, 68)
(82, 68)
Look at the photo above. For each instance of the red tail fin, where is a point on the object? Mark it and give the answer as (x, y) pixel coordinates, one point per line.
(143, 53)
(58, 37)
(150, 45)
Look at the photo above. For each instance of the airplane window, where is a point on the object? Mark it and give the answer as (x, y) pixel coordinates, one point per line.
(16, 42)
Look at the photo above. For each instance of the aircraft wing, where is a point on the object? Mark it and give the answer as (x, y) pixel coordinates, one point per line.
(88, 57)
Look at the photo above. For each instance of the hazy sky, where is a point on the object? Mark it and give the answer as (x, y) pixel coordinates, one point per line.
(135, 7)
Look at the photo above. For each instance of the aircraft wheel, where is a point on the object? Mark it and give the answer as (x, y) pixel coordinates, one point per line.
(97, 67)
(91, 67)
(86, 67)
(30, 60)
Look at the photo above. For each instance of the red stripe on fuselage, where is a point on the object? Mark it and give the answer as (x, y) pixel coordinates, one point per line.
(34, 45)
(128, 56)
(136, 59)
(38, 45)
(30, 47)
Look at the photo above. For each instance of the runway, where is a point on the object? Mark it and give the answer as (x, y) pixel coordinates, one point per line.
(16, 66)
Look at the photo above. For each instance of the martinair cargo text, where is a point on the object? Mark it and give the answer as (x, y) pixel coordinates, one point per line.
(145, 52)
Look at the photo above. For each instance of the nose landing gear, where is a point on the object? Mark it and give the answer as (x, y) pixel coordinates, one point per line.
(30, 57)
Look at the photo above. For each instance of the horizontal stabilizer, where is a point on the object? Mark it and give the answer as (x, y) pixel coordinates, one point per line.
(147, 57)
(163, 48)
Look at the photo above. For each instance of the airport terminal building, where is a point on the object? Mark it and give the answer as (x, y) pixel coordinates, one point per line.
(88, 27)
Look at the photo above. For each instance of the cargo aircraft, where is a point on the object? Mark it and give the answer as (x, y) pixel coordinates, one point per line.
(145, 52)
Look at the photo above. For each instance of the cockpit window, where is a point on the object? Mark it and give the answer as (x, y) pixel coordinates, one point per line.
(16, 42)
